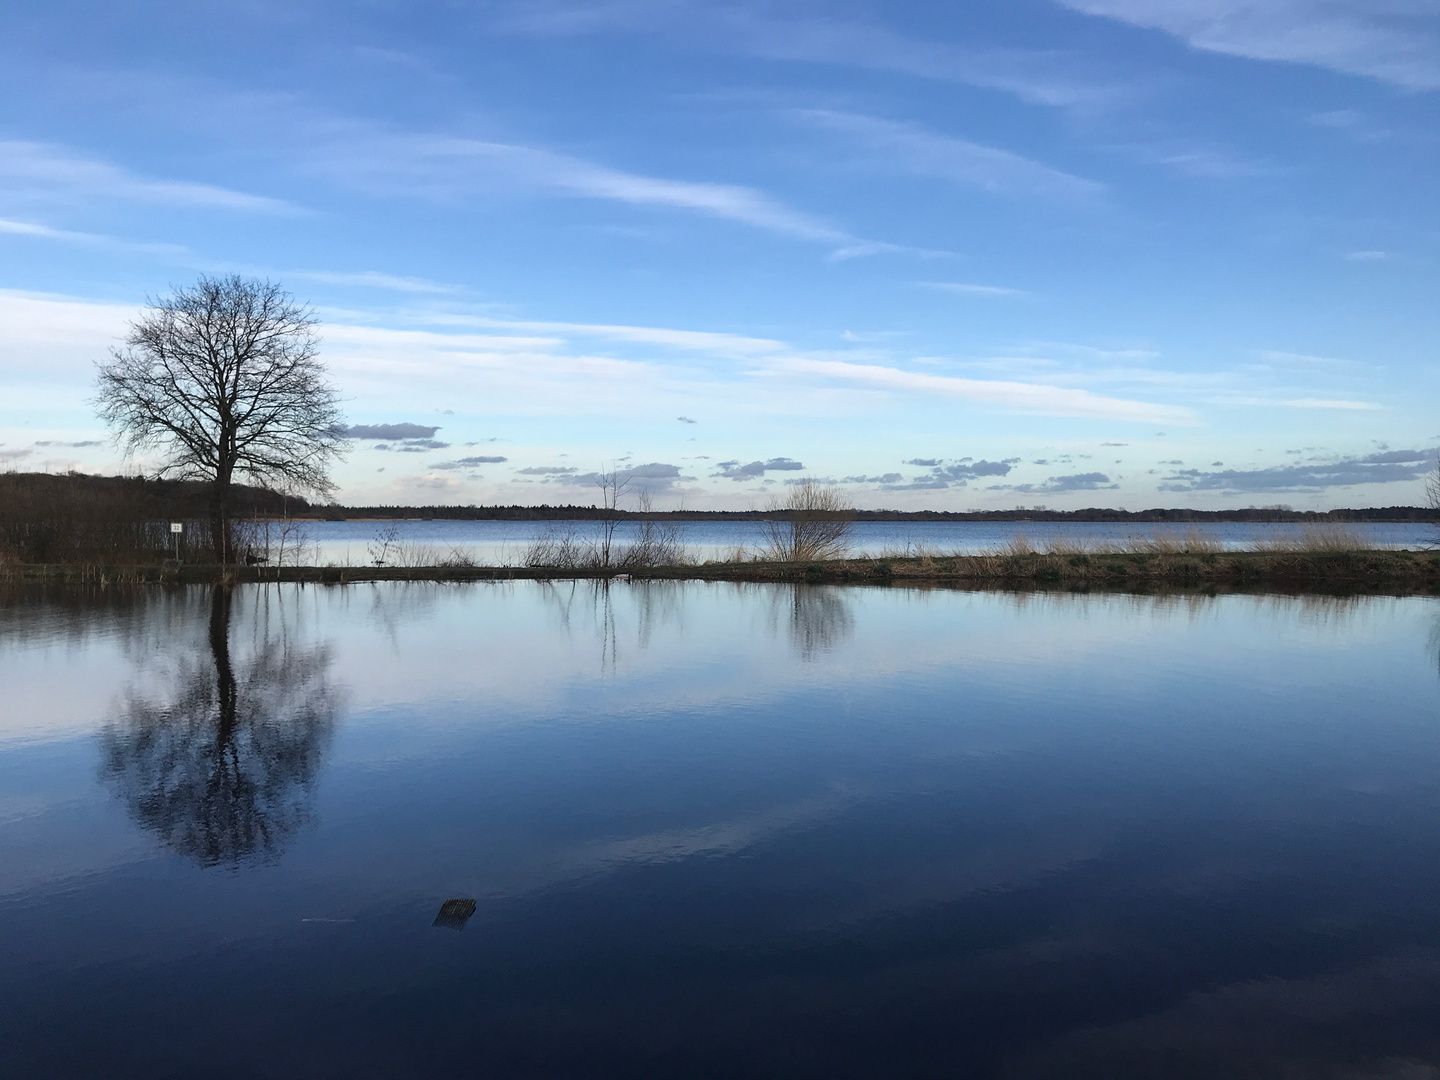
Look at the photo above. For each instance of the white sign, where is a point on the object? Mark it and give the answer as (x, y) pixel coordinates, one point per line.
(177, 527)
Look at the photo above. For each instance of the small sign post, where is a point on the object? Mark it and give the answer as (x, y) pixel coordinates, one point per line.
(176, 528)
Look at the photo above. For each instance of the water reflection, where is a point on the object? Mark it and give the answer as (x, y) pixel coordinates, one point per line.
(796, 831)
(221, 763)
(818, 617)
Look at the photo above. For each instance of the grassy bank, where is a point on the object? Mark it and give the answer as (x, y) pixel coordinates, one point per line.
(1358, 571)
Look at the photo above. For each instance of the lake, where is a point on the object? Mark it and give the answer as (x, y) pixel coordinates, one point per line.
(688, 829)
(505, 543)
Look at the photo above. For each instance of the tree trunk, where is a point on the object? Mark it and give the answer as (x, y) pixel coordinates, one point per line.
(220, 521)
(225, 693)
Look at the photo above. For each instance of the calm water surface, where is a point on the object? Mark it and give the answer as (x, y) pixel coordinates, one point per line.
(717, 831)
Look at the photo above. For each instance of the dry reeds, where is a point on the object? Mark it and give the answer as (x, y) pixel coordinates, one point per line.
(1069, 545)
(1017, 547)
(1193, 542)
(1316, 538)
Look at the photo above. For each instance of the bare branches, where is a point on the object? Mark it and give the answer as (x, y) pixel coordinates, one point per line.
(612, 486)
(223, 379)
(812, 522)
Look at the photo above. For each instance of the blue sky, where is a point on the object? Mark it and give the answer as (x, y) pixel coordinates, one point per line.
(952, 255)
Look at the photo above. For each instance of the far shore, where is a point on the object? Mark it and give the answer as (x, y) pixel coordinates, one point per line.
(1392, 572)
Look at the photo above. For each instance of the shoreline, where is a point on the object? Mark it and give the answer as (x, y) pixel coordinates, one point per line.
(1390, 572)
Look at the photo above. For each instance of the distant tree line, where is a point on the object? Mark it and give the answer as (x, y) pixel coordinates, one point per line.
(76, 518)
(571, 512)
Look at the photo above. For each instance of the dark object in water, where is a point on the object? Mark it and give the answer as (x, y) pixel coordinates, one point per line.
(454, 914)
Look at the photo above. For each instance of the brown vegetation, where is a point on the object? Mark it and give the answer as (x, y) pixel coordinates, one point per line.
(1329, 572)
(810, 522)
(116, 520)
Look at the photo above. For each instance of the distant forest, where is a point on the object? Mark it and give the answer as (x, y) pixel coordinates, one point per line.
(30, 495)
(583, 513)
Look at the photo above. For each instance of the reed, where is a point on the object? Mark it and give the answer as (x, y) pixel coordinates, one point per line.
(1193, 542)
(1068, 545)
(1316, 538)
(1017, 547)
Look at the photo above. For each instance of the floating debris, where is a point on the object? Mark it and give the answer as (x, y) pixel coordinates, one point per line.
(454, 914)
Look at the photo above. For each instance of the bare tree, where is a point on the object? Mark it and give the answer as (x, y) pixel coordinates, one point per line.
(812, 521)
(224, 379)
(612, 485)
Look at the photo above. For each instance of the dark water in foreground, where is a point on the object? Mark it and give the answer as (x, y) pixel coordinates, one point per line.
(717, 831)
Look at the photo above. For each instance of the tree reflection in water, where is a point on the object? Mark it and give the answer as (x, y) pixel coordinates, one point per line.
(222, 766)
(819, 617)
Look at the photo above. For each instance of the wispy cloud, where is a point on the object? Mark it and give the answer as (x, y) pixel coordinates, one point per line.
(30, 228)
(41, 170)
(688, 340)
(961, 288)
(37, 231)
(372, 279)
(1308, 362)
(1264, 402)
(906, 147)
(451, 167)
(1355, 124)
(1328, 403)
(1395, 42)
(1019, 396)
(1050, 78)
(1207, 162)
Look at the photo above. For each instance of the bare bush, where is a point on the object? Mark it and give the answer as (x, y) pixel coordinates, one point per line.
(810, 523)
(656, 543)
(385, 548)
(389, 548)
(560, 550)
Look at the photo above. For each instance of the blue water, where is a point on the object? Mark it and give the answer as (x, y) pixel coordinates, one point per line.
(717, 830)
(505, 543)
